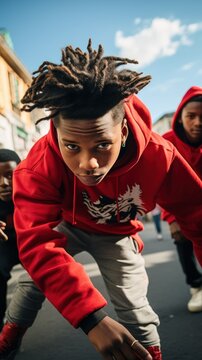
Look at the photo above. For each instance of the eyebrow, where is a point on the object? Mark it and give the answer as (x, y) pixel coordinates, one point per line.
(98, 141)
(67, 140)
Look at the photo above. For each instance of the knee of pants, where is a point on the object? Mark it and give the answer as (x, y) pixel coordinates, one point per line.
(28, 289)
(143, 315)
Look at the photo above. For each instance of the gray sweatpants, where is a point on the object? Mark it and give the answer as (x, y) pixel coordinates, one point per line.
(124, 274)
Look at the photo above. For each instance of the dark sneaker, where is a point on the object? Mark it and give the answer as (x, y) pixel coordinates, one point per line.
(10, 340)
(155, 352)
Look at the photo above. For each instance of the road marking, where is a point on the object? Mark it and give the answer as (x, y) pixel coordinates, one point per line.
(159, 258)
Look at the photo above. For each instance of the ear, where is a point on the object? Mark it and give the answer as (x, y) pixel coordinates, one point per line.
(124, 130)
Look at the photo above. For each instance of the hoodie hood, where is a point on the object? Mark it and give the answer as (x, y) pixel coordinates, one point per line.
(139, 123)
(192, 92)
(192, 154)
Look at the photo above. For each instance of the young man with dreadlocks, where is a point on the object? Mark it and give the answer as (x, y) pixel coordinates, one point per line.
(80, 189)
(186, 135)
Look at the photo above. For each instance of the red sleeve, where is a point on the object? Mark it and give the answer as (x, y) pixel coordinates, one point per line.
(181, 196)
(166, 216)
(41, 249)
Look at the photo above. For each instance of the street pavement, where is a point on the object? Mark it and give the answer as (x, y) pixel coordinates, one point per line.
(51, 337)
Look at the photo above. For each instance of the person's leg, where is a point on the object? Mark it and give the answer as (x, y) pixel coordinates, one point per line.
(27, 298)
(192, 274)
(8, 258)
(123, 271)
(157, 223)
(25, 303)
(188, 263)
(3, 293)
(21, 313)
(23, 308)
(126, 280)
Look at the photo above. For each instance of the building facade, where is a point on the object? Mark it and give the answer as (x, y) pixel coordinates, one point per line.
(163, 124)
(17, 129)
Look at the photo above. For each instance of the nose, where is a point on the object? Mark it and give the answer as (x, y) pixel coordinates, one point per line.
(3, 181)
(88, 163)
(198, 120)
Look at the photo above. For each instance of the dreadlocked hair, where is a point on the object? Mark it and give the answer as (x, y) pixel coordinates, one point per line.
(84, 85)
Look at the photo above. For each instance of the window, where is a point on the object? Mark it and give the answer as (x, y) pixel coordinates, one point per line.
(14, 90)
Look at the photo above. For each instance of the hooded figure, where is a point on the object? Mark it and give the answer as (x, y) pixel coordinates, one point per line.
(8, 243)
(186, 135)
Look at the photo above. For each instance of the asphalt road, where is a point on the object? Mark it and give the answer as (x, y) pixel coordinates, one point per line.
(51, 337)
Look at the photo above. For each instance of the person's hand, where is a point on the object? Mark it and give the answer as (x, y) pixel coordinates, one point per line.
(176, 233)
(114, 342)
(3, 236)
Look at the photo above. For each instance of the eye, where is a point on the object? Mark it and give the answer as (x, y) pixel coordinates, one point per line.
(104, 146)
(191, 116)
(9, 176)
(71, 147)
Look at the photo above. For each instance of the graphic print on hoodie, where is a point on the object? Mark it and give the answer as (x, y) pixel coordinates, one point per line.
(105, 211)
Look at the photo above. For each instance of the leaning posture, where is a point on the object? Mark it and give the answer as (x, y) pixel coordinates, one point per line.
(81, 188)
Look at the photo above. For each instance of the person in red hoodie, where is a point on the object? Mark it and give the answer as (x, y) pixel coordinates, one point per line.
(8, 242)
(81, 188)
(186, 135)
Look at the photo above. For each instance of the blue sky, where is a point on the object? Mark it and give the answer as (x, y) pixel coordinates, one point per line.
(164, 36)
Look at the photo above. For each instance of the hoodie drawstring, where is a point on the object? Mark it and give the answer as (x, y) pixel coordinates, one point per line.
(74, 203)
(117, 200)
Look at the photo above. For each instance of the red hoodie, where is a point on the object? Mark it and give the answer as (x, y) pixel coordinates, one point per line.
(46, 191)
(193, 155)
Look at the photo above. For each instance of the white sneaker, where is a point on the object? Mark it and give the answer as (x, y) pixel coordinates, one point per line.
(195, 303)
(159, 237)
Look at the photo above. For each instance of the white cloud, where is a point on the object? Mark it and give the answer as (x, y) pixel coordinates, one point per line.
(192, 28)
(162, 37)
(200, 71)
(187, 66)
(167, 85)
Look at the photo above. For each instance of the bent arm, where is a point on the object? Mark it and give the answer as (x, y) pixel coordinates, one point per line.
(42, 249)
(181, 196)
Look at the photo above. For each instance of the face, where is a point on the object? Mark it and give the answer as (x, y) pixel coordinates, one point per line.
(91, 147)
(191, 119)
(6, 172)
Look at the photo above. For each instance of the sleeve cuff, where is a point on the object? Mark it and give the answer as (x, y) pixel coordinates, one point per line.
(90, 321)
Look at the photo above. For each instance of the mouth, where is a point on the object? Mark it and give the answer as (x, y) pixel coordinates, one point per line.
(6, 196)
(90, 180)
(197, 131)
(5, 192)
